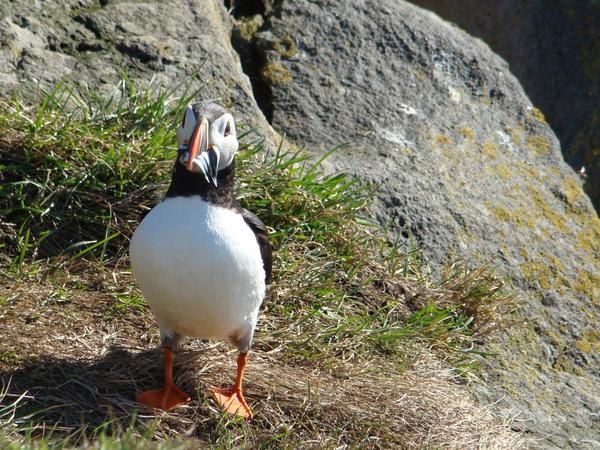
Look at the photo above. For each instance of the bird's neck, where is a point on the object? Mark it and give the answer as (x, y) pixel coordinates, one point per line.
(185, 184)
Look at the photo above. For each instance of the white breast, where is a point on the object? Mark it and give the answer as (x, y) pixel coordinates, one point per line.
(199, 267)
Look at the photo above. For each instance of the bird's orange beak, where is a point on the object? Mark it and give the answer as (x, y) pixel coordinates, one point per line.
(198, 142)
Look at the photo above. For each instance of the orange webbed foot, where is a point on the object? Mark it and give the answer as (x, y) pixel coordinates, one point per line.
(232, 401)
(166, 398)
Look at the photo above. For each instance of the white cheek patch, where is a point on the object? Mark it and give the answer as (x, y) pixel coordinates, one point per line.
(227, 145)
(228, 150)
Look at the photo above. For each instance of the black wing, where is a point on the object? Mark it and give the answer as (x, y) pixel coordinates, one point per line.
(262, 237)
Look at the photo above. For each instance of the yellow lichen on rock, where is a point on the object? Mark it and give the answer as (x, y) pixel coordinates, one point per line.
(543, 209)
(515, 135)
(542, 271)
(565, 364)
(503, 171)
(489, 150)
(500, 213)
(589, 284)
(467, 133)
(529, 171)
(588, 239)
(572, 190)
(538, 115)
(540, 145)
(589, 342)
(522, 218)
(556, 263)
(442, 139)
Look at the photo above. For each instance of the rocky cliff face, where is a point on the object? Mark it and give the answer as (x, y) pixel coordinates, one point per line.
(93, 43)
(465, 164)
(552, 48)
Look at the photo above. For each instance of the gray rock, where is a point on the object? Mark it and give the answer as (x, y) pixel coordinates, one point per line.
(466, 166)
(553, 48)
(91, 43)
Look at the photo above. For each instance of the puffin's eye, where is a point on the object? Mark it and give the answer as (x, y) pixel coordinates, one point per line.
(227, 131)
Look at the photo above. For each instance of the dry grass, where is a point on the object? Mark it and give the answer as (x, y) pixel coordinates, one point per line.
(355, 347)
(80, 365)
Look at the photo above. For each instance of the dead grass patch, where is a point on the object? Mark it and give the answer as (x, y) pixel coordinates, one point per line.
(81, 366)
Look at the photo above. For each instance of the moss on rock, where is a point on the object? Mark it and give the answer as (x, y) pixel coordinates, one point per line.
(247, 27)
(276, 73)
(285, 46)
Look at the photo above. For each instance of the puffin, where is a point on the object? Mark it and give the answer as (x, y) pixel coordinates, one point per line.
(201, 261)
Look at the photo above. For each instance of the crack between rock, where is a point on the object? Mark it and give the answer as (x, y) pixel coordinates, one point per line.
(250, 18)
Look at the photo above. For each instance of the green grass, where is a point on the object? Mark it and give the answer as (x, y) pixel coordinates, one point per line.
(78, 171)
